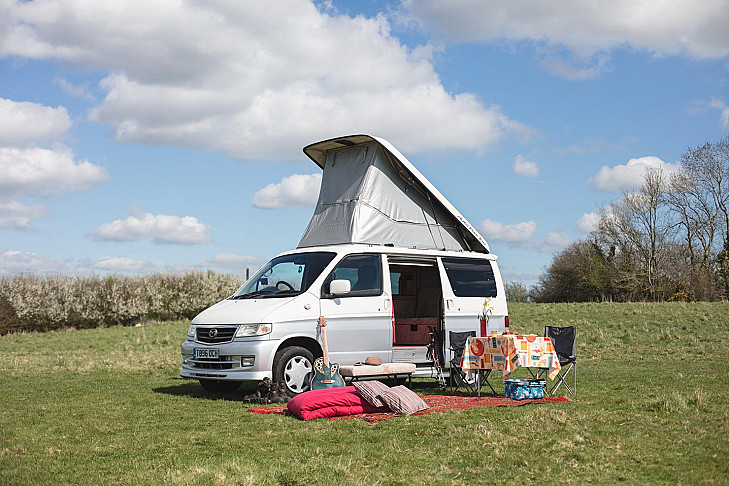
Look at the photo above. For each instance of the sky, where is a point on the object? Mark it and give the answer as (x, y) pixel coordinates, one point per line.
(140, 137)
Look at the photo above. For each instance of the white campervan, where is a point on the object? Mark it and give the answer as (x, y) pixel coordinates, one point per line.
(386, 259)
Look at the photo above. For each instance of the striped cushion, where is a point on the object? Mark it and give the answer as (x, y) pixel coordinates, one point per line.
(370, 391)
(401, 399)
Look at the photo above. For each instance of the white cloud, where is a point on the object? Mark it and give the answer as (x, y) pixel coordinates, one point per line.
(24, 123)
(520, 235)
(554, 242)
(525, 168)
(679, 27)
(629, 176)
(160, 228)
(295, 191)
(587, 222)
(514, 233)
(572, 69)
(124, 265)
(30, 171)
(232, 262)
(17, 215)
(13, 261)
(77, 91)
(242, 75)
(39, 172)
(721, 106)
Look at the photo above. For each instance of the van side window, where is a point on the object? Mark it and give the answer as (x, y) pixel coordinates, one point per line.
(364, 272)
(470, 277)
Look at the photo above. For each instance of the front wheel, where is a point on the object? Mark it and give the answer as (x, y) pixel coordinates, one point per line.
(293, 366)
(220, 386)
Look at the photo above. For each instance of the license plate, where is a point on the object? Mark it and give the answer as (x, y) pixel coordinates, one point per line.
(205, 353)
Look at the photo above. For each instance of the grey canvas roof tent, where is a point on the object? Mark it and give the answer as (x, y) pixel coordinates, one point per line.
(371, 194)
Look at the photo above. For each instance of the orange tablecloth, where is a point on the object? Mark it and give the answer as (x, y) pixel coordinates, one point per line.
(507, 352)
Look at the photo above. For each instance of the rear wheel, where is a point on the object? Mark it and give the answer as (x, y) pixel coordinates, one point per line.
(293, 365)
(220, 386)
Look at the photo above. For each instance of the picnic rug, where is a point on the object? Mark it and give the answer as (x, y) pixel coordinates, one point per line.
(437, 404)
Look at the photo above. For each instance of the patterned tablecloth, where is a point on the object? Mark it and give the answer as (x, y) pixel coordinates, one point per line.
(507, 352)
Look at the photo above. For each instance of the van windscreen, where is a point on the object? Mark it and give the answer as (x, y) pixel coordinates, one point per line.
(470, 277)
(285, 276)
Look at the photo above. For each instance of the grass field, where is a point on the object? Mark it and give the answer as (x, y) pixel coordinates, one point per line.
(107, 406)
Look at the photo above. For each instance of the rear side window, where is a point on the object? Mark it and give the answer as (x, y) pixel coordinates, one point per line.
(470, 277)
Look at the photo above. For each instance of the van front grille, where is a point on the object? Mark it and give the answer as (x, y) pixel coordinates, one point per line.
(215, 334)
(222, 363)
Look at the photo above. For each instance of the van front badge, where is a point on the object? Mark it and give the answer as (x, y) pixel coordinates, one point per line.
(213, 332)
(307, 306)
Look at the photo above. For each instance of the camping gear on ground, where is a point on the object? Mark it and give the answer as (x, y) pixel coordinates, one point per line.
(363, 397)
(507, 352)
(523, 389)
(325, 376)
(563, 340)
(268, 392)
(435, 354)
(330, 402)
(436, 404)
(459, 377)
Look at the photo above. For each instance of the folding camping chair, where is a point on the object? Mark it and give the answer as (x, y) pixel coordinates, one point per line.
(563, 339)
(457, 374)
(434, 353)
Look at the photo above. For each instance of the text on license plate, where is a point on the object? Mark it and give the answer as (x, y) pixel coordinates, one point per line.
(205, 353)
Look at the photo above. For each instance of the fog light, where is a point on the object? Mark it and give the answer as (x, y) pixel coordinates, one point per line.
(247, 361)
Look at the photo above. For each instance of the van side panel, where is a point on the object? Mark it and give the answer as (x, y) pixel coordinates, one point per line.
(359, 324)
(462, 284)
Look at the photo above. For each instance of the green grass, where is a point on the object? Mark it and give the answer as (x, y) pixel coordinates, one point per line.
(107, 406)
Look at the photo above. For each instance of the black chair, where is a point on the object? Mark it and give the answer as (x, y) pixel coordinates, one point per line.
(457, 374)
(563, 339)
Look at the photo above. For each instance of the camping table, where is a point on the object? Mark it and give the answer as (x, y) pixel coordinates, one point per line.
(506, 352)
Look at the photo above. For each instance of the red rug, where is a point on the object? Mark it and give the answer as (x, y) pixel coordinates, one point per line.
(437, 403)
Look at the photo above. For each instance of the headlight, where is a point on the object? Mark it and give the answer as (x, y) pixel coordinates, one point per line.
(191, 331)
(246, 330)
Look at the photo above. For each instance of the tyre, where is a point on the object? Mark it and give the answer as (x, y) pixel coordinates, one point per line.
(219, 386)
(294, 366)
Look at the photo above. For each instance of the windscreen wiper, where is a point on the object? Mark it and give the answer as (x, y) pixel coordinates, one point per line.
(288, 292)
(252, 295)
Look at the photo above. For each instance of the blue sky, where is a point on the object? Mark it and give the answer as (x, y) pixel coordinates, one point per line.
(138, 137)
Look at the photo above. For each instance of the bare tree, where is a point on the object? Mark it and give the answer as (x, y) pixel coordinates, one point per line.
(667, 239)
(707, 169)
(639, 224)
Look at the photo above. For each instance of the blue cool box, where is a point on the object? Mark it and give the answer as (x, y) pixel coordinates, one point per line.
(517, 389)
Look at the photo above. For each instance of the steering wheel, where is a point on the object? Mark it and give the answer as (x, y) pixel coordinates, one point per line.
(291, 287)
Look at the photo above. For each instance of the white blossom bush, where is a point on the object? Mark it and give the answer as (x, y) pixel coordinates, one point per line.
(31, 302)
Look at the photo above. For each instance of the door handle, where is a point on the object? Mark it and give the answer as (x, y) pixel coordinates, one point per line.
(449, 304)
(387, 304)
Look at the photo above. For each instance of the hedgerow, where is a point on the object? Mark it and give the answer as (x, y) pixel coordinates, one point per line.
(30, 302)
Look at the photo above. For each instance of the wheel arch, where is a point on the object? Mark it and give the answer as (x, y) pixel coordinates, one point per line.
(305, 342)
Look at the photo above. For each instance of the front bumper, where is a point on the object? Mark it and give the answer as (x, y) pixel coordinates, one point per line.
(233, 363)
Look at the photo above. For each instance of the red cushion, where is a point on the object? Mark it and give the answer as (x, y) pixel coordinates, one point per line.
(330, 402)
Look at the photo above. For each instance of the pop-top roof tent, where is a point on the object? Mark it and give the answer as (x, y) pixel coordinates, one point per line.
(371, 194)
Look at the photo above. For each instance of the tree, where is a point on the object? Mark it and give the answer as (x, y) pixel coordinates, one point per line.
(516, 292)
(579, 273)
(707, 168)
(669, 239)
(639, 224)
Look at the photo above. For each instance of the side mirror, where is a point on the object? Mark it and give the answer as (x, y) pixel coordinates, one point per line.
(339, 287)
